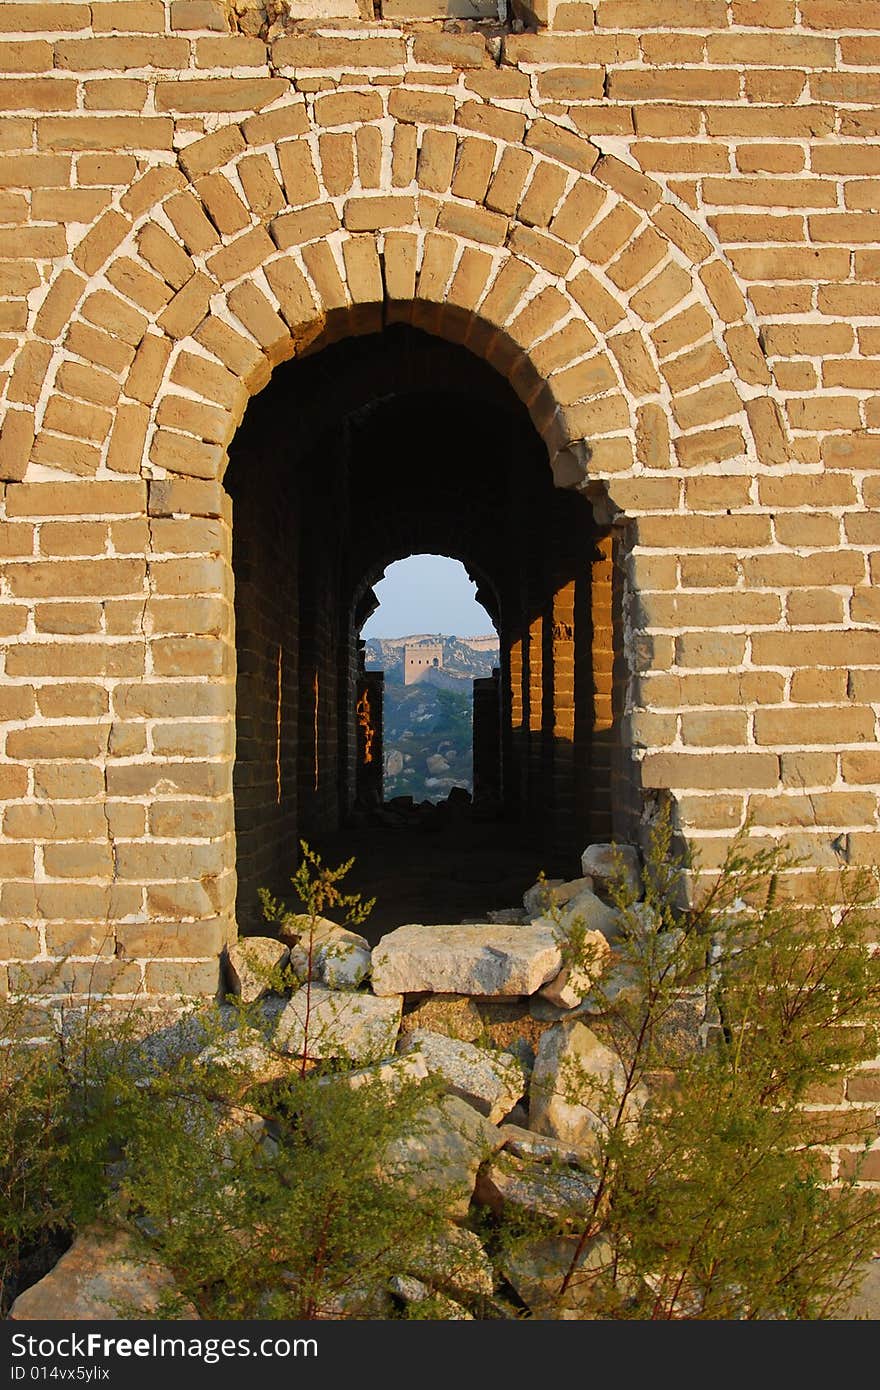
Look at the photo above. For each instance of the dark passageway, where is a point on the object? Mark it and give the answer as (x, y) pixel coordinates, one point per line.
(373, 449)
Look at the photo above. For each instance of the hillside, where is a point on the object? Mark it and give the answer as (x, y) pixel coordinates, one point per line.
(428, 727)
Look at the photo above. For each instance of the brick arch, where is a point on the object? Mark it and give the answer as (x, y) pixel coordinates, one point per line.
(602, 304)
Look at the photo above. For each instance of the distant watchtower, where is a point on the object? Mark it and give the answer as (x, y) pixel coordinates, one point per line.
(419, 658)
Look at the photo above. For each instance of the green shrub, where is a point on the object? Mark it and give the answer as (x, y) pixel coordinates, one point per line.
(717, 1203)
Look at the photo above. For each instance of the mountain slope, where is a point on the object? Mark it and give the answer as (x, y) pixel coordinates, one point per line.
(428, 726)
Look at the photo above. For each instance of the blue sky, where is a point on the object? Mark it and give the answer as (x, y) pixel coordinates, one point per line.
(427, 593)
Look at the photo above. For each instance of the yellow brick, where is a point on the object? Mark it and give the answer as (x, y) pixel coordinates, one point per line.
(219, 94)
(652, 437)
(661, 294)
(77, 418)
(709, 446)
(164, 254)
(436, 160)
(105, 133)
(815, 725)
(400, 259)
(561, 144)
(362, 269)
(115, 316)
(579, 209)
(125, 453)
(691, 368)
(599, 306)
(608, 236)
(424, 108)
(348, 108)
(181, 454)
(253, 309)
(16, 442)
(506, 187)
(295, 228)
(204, 155)
(261, 187)
(723, 291)
(474, 223)
(244, 254)
(635, 363)
(493, 121)
(710, 770)
(373, 214)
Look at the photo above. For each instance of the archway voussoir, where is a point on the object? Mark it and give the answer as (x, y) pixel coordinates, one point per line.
(336, 156)
(147, 192)
(187, 215)
(181, 453)
(242, 256)
(223, 206)
(473, 168)
(263, 193)
(585, 379)
(253, 310)
(722, 289)
(683, 232)
(363, 270)
(436, 161)
(599, 305)
(662, 294)
(293, 292)
(369, 144)
(165, 255)
(630, 183)
(323, 270)
(539, 316)
(404, 154)
(188, 307)
(508, 290)
(438, 258)
(298, 172)
(642, 255)
(636, 365)
(125, 453)
(562, 145)
(212, 151)
(400, 257)
(99, 243)
(471, 278)
(16, 442)
(220, 378)
(545, 251)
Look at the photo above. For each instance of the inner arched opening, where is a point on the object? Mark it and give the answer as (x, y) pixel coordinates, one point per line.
(431, 663)
(376, 448)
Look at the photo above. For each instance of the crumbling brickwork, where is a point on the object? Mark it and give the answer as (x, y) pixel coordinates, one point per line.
(658, 222)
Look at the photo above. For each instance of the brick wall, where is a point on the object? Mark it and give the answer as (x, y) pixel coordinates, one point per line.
(659, 222)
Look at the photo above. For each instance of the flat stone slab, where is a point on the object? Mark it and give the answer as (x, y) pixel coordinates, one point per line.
(340, 959)
(251, 961)
(443, 1155)
(490, 1081)
(577, 1085)
(561, 1194)
(340, 1023)
(102, 1276)
(492, 959)
(536, 1271)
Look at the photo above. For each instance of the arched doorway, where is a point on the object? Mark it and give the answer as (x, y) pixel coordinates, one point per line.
(376, 447)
